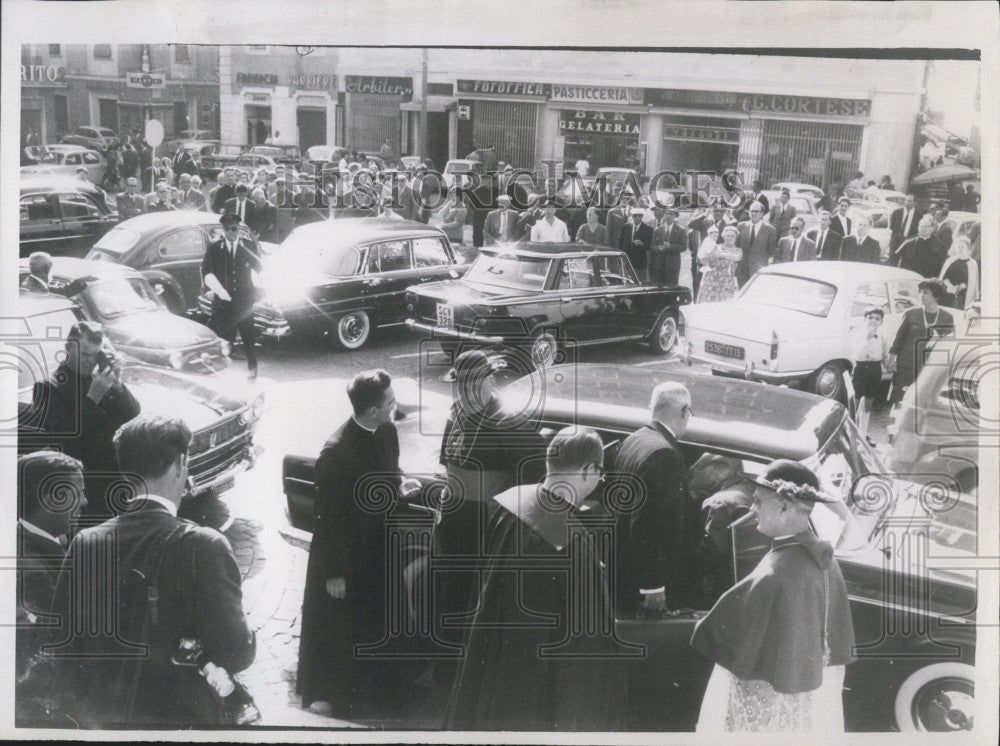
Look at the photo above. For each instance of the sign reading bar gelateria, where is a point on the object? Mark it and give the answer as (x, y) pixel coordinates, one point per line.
(599, 122)
(503, 87)
(379, 84)
(590, 94)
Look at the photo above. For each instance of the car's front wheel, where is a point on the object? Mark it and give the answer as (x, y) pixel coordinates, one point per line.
(664, 336)
(828, 381)
(544, 349)
(939, 698)
(352, 330)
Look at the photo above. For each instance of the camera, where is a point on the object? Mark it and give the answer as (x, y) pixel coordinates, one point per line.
(237, 704)
(106, 359)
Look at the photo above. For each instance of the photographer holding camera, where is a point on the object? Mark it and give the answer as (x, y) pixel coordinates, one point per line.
(81, 406)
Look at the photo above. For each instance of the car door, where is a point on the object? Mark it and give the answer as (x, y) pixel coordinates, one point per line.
(41, 223)
(633, 311)
(388, 272)
(94, 165)
(432, 260)
(83, 221)
(179, 255)
(585, 311)
(904, 296)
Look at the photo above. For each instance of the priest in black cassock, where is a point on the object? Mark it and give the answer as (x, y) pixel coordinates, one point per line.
(524, 668)
(344, 603)
(780, 637)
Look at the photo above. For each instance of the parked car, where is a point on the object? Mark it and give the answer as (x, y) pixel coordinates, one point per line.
(98, 138)
(460, 168)
(797, 322)
(65, 162)
(222, 421)
(135, 318)
(324, 157)
(901, 681)
(62, 215)
(187, 136)
(222, 156)
(198, 150)
(804, 204)
(343, 278)
(800, 189)
(167, 248)
(290, 155)
(547, 295)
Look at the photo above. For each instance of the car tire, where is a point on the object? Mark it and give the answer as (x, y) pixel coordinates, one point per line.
(828, 381)
(937, 698)
(544, 349)
(352, 330)
(663, 338)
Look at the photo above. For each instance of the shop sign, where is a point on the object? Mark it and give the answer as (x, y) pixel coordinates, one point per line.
(256, 79)
(42, 73)
(145, 80)
(379, 84)
(599, 122)
(701, 132)
(503, 87)
(464, 112)
(836, 107)
(598, 94)
(313, 81)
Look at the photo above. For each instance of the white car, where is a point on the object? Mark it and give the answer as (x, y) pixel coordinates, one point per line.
(799, 189)
(65, 160)
(878, 214)
(461, 167)
(804, 204)
(797, 322)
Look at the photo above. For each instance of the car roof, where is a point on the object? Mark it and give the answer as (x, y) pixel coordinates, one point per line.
(367, 229)
(154, 220)
(839, 271)
(70, 268)
(739, 416)
(962, 216)
(54, 182)
(547, 250)
(35, 305)
(795, 184)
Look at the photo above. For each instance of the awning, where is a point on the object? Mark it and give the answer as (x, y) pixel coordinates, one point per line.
(434, 103)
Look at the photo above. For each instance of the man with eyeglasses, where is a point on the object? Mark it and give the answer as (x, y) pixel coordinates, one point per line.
(759, 242)
(656, 542)
(795, 247)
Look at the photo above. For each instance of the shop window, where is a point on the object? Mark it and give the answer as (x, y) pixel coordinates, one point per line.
(181, 53)
(55, 50)
(102, 51)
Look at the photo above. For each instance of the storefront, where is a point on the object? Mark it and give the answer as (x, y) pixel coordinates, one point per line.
(373, 115)
(501, 115)
(315, 99)
(44, 103)
(600, 125)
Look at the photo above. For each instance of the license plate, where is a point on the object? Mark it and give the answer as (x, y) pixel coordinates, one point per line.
(445, 315)
(717, 348)
(223, 486)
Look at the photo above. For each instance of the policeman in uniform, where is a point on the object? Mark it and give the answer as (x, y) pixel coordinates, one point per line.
(227, 268)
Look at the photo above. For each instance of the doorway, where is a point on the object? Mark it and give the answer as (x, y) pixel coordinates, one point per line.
(437, 138)
(107, 109)
(312, 128)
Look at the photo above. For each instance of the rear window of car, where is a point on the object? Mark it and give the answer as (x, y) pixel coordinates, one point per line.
(118, 240)
(801, 294)
(510, 271)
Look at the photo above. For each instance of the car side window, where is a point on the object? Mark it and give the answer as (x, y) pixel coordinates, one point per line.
(869, 294)
(429, 252)
(91, 158)
(905, 295)
(389, 256)
(576, 274)
(72, 159)
(39, 207)
(77, 206)
(189, 242)
(614, 273)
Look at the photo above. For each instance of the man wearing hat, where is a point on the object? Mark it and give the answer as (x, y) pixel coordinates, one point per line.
(240, 204)
(549, 229)
(780, 638)
(635, 240)
(669, 242)
(228, 269)
(501, 224)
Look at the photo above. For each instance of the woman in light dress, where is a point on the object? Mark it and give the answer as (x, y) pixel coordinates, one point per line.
(719, 261)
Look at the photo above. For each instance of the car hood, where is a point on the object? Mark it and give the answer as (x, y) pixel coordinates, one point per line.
(750, 321)
(157, 330)
(162, 392)
(464, 292)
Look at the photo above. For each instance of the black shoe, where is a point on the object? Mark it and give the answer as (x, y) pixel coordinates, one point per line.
(252, 374)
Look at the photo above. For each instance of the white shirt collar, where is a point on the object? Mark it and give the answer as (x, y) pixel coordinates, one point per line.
(367, 429)
(171, 508)
(31, 528)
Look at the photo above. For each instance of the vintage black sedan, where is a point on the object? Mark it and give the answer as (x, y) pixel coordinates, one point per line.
(62, 215)
(541, 296)
(222, 422)
(135, 318)
(167, 248)
(345, 277)
(914, 617)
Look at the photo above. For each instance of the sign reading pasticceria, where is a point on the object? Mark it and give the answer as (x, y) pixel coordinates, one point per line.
(503, 87)
(599, 122)
(379, 84)
(591, 94)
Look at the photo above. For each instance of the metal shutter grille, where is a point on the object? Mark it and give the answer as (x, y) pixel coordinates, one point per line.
(814, 152)
(509, 126)
(373, 118)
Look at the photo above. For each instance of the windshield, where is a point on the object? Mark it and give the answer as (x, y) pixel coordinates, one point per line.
(118, 240)
(312, 254)
(510, 271)
(794, 293)
(110, 299)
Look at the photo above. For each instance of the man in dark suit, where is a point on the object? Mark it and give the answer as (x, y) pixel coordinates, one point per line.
(759, 242)
(240, 205)
(827, 241)
(795, 247)
(160, 200)
(860, 247)
(184, 163)
(175, 580)
(669, 241)
(130, 203)
(635, 240)
(81, 406)
(617, 217)
(224, 191)
(782, 213)
(655, 553)
(942, 231)
(263, 216)
(839, 222)
(37, 283)
(345, 591)
(193, 197)
(904, 222)
(228, 269)
(501, 224)
(922, 253)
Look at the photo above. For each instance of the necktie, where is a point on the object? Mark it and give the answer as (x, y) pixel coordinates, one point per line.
(819, 245)
(753, 234)
(503, 225)
(906, 223)
(240, 208)
(795, 250)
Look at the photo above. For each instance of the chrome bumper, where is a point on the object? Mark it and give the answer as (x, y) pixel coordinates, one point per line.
(246, 460)
(440, 332)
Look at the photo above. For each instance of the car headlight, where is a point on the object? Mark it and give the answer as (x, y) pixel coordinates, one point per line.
(176, 359)
(254, 409)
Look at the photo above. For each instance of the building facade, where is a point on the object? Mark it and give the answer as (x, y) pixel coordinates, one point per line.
(815, 120)
(119, 86)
